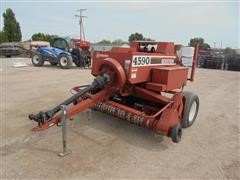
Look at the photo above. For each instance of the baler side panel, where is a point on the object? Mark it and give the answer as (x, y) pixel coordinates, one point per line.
(142, 72)
(119, 56)
(169, 77)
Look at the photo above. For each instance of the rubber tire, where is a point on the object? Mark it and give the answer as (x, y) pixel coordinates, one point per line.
(189, 99)
(85, 63)
(69, 61)
(53, 63)
(88, 62)
(176, 133)
(40, 60)
(78, 64)
(76, 54)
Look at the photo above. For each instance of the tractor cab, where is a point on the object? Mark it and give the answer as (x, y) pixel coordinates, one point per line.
(60, 43)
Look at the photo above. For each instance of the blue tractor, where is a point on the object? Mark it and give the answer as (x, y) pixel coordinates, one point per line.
(63, 53)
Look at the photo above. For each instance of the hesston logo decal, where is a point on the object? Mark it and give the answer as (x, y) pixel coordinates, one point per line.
(98, 55)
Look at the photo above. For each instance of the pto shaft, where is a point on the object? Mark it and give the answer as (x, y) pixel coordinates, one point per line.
(98, 83)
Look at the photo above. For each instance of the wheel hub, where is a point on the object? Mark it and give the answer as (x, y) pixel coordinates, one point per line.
(192, 111)
(63, 61)
(36, 59)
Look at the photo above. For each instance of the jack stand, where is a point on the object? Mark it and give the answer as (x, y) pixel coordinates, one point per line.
(64, 131)
(89, 114)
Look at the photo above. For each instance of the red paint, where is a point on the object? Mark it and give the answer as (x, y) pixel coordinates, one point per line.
(142, 75)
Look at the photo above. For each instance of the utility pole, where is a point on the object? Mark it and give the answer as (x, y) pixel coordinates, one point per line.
(80, 16)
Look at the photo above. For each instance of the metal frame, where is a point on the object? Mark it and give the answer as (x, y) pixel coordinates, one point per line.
(158, 112)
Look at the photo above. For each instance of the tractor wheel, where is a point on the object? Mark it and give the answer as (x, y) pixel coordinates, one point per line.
(65, 61)
(176, 133)
(85, 64)
(77, 62)
(190, 109)
(53, 63)
(37, 60)
(88, 62)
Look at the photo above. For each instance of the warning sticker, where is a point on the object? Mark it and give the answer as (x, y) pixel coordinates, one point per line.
(133, 75)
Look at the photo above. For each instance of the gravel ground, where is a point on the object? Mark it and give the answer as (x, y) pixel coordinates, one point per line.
(106, 147)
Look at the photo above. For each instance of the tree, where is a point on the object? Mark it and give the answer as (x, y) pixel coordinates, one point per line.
(229, 51)
(205, 46)
(119, 42)
(41, 37)
(149, 39)
(135, 36)
(104, 42)
(202, 44)
(3, 37)
(11, 26)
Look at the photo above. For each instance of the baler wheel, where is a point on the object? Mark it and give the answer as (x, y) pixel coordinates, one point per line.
(176, 133)
(190, 109)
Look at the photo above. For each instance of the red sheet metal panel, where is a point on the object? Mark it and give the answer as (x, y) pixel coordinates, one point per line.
(172, 77)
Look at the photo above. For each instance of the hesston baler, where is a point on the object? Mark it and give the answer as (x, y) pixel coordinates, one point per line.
(141, 86)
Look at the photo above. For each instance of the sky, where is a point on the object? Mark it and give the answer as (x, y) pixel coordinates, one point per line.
(177, 21)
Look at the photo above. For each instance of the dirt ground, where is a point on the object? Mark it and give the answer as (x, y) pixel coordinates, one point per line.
(104, 147)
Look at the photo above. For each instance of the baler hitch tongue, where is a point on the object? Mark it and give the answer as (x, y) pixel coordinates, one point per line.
(40, 117)
(98, 83)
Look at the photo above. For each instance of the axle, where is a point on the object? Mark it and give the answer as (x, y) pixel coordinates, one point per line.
(98, 83)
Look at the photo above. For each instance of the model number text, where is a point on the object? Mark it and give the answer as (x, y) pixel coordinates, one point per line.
(141, 61)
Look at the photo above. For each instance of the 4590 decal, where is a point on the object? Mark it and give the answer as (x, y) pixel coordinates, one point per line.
(151, 61)
(141, 61)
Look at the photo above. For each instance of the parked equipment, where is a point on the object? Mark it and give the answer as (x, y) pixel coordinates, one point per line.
(143, 87)
(80, 52)
(232, 62)
(9, 50)
(63, 51)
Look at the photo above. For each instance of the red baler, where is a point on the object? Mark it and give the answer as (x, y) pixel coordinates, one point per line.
(141, 85)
